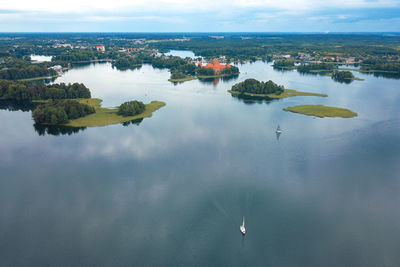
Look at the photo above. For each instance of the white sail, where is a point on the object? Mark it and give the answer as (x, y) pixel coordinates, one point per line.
(242, 228)
(278, 130)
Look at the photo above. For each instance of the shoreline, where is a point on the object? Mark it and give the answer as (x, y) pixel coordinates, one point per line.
(285, 94)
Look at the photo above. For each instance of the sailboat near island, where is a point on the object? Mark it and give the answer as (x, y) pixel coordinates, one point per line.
(278, 130)
(242, 228)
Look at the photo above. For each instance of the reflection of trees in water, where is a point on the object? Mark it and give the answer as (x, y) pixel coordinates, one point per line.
(208, 80)
(133, 122)
(389, 75)
(215, 81)
(56, 129)
(10, 105)
(250, 100)
(346, 81)
(279, 69)
(320, 73)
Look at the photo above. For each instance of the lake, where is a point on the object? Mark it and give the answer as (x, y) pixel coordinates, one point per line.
(171, 190)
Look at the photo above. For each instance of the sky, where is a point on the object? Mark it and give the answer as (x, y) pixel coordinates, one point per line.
(200, 16)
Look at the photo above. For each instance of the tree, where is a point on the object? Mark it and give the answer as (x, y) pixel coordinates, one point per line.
(131, 108)
(60, 111)
(256, 87)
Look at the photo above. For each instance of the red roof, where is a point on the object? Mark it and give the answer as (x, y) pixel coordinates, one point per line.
(215, 65)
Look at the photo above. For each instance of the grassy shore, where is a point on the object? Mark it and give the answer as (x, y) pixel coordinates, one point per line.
(369, 71)
(38, 78)
(322, 111)
(189, 78)
(106, 116)
(286, 93)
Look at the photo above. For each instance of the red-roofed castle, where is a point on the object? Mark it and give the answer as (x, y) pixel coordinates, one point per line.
(217, 67)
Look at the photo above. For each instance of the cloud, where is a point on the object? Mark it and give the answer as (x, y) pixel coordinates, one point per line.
(82, 6)
(192, 15)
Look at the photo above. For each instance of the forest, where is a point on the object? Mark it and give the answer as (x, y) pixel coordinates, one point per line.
(24, 91)
(25, 72)
(60, 111)
(316, 67)
(381, 65)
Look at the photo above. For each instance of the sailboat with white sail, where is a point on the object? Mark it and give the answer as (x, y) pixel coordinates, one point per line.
(242, 228)
(278, 130)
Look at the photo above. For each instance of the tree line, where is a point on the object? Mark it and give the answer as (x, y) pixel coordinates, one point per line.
(316, 66)
(124, 63)
(25, 72)
(19, 91)
(380, 65)
(283, 63)
(81, 55)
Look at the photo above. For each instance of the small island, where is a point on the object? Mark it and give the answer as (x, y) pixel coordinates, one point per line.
(344, 76)
(322, 111)
(178, 76)
(90, 113)
(267, 90)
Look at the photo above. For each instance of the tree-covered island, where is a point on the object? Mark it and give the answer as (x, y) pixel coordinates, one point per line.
(344, 76)
(268, 90)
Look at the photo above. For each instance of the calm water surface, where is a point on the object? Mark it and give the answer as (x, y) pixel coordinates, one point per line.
(171, 190)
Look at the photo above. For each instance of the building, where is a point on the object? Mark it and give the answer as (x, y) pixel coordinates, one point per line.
(100, 48)
(216, 66)
(350, 60)
(57, 68)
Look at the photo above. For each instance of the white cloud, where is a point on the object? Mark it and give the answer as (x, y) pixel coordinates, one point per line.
(80, 6)
(134, 18)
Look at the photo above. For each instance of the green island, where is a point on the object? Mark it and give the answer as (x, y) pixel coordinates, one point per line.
(321, 111)
(343, 76)
(88, 112)
(268, 90)
(185, 79)
(107, 116)
(178, 76)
